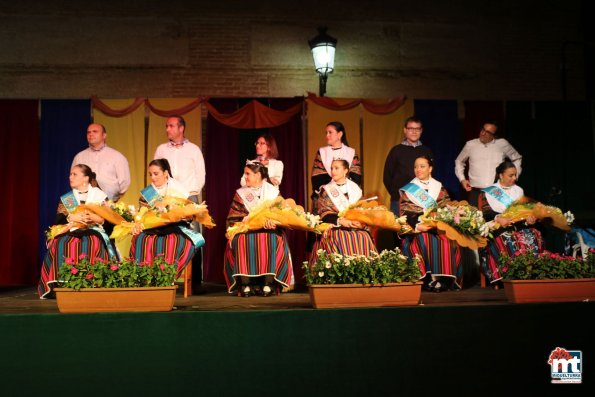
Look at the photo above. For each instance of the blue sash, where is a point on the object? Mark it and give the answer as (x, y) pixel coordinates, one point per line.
(421, 195)
(150, 194)
(69, 200)
(196, 238)
(108, 244)
(499, 195)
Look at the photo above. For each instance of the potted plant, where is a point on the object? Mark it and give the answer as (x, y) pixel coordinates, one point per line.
(548, 277)
(386, 279)
(115, 286)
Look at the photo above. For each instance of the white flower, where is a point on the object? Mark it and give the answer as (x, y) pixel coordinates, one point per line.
(327, 265)
(569, 217)
(320, 274)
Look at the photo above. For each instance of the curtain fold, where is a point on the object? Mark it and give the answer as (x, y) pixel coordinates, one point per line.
(63, 134)
(108, 107)
(163, 108)
(381, 133)
(375, 106)
(19, 149)
(126, 134)
(222, 163)
(254, 115)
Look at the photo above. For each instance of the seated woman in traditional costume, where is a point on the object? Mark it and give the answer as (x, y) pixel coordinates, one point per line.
(440, 256)
(85, 237)
(347, 237)
(261, 254)
(509, 238)
(266, 154)
(176, 242)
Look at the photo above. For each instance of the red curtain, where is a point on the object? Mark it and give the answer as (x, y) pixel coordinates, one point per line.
(19, 206)
(372, 106)
(255, 115)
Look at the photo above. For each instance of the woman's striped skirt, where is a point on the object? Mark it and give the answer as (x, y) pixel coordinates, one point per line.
(174, 246)
(256, 254)
(346, 242)
(439, 255)
(73, 246)
(508, 242)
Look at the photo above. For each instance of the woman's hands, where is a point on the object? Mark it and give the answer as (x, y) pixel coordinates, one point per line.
(349, 223)
(137, 228)
(422, 227)
(270, 224)
(505, 222)
(86, 218)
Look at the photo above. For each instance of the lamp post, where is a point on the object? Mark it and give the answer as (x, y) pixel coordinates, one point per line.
(323, 51)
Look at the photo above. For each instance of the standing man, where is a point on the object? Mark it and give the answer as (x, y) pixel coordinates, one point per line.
(188, 167)
(484, 153)
(110, 166)
(398, 168)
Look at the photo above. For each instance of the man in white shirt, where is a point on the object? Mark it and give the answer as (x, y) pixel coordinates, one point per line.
(110, 166)
(188, 167)
(185, 158)
(484, 153)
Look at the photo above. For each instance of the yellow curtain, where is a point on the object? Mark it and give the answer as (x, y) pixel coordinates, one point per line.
(381, 133)
(318, 118)
(127, 135)
(157, 135)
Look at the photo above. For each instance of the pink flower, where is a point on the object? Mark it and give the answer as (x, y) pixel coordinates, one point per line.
(143, 264)
(553, 256)
(114, 267)
(161, 266)
(74, 270)
(89, 276)
(517, 253)
(82, 256)
(69, 261)
(100, 260)
(457, 219)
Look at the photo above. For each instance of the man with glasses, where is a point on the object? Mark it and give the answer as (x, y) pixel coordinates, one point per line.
(398, 167)
(484, 153)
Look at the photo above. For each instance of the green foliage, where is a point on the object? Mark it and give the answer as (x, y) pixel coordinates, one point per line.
(547, 265)
(113, 274)
(386, 267)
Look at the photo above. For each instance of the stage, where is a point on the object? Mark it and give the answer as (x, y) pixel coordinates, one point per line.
(469, 342)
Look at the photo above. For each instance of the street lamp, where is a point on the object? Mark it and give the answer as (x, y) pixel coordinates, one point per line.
(323, 50)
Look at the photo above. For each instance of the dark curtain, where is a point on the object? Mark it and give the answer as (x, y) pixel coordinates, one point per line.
(441, 134)
(477, 112)
(222, 162)
(226, 152)
(19, 150)
(63, 134)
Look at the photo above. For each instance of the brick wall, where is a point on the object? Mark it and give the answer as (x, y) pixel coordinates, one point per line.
(425, 49)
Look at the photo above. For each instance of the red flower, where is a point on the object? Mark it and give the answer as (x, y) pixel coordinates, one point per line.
(161, 266)
(114, 267)
(89, 276)
(82, 256)
(517, 253)
(69, 261)
(74, 270)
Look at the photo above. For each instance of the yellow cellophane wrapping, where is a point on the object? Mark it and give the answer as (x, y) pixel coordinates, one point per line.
(370, 213)
(522, 209)
(103, 211)
(284, 213)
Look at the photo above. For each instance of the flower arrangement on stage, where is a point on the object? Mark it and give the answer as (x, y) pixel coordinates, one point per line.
(386, 267)
(369, 213)
(522, 209)
(77, 273)
(461, 222)
(546, 265)
(283, 212)
(127, 212)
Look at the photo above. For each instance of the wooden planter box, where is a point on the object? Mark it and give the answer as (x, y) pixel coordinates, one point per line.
(361, 295)
(564, 290)
(87, 300)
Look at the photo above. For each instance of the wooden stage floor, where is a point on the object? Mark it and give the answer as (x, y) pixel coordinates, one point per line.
(24, 300)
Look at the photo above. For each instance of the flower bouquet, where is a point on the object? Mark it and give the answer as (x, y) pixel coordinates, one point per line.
(521, 209)
(460, 222)
(284, 213)
(369, 213)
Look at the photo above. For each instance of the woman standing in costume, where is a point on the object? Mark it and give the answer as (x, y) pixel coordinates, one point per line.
(440, 256)
(347, 237)
(266, 154)
(261, 254)
(177, 242)
(509, 238)
(90, 242)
